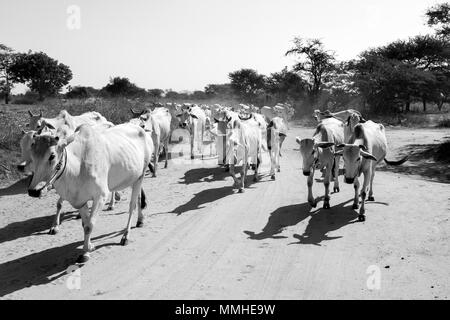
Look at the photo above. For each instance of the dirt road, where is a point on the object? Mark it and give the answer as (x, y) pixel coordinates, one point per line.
(202, 240)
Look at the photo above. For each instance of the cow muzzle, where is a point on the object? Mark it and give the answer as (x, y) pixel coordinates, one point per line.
(349, 180)
(306, 173)
(21, 167)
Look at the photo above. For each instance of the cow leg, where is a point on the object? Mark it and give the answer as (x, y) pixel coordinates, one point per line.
(272, 164)
(356, 199)
(135, 195)
(202, 146)
(88, 219)
(281, 144)
(337, 160)
(55, 227)
(243, 176)
(192, 145)
(326, 183)
(258, 163)
(166, 151)
(372, 176)
(156, 158)
(233, 175)
(111, 202)
(364, 188)
(311, 199)
(141, 204)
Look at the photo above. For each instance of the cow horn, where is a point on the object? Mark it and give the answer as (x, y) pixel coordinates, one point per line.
(40, 113)
(30, 113)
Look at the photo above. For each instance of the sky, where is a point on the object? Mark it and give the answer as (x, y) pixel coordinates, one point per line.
(188, 44)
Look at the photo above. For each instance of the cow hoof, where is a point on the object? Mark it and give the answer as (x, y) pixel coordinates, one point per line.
(109, 208)
(154, 175)
(336, 190)
(361, 218)
(241, 190)
(272, 177)
(355, 206)
(124, 241)
(117, 196)
(139, 224)
(255, 179)
(83, 258)
(279, 170)
(53, 230)
(313, 204)
(78, 216)
(165, 166)
(192, 157)
(326, 205)
(371, 199)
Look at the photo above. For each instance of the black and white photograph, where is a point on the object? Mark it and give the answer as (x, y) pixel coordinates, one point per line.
(251, 151)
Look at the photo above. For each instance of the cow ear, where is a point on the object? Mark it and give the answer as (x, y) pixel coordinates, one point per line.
(270, 124)
(228, 119)
(368, 155)
(362, 120)
(298, 140)
(338, 153)
(23, 131)
(194, 116)
(30, 113)
(63, 143)
(215, 120)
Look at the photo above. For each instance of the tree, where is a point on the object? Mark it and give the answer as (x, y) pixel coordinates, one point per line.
(286, 85)
(155, 93)
(315, 64)
(42, 74)
(247, 84)
(123, 87)
(439, 18)
(6, 58)
(81, 92)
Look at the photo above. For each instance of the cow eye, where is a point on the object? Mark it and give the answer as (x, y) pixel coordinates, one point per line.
(52, 157)
(359, 159)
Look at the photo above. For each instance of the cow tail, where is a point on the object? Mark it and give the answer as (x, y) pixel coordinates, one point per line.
(143, 199)
(396, 163)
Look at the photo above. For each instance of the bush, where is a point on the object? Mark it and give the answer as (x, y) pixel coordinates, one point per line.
(444, 123)
(27, 98)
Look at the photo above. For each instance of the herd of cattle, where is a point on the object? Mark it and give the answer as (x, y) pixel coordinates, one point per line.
(86, 157)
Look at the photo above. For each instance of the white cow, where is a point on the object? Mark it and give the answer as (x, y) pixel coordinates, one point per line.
(158, 124)
(244, 145)
(368, 147)
(26, 163)
(193, 119)
(276, 133)
(318, 153)
(64, 118)
(87, 165)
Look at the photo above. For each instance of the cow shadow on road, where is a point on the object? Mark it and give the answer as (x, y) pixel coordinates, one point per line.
(37, 225)
(204, 175)
(203, 197)
(281, 218)
(326, 220)
(18, 187)
(42, 267)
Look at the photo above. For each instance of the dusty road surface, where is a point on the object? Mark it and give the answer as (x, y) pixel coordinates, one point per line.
(202, 240)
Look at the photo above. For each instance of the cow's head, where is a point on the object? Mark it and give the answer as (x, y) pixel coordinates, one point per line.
(47, 154)
(353, 155)
(35, 120)
(25, 148)
(311, 152)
